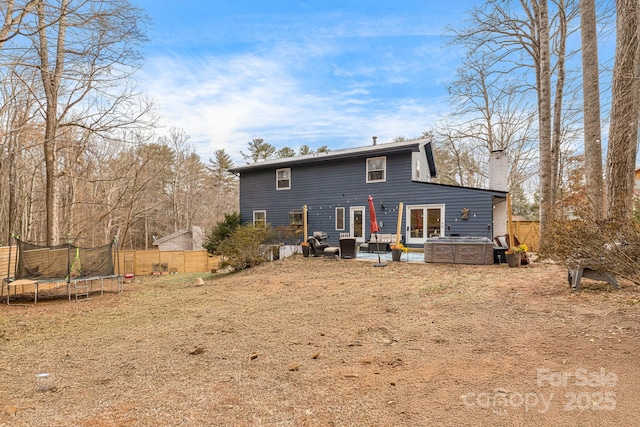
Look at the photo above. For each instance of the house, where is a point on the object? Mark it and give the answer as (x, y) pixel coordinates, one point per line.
(334, 187)
(182, 240)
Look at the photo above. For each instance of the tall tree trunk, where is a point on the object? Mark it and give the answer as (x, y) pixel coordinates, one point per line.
(591, 100)
(51, 79)
(13, 210)
(50, 176)
(547, 208)
(556, 138)
(623, 134)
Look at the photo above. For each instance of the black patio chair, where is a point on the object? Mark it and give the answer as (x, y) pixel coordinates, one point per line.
(348, 247)
(317, 248)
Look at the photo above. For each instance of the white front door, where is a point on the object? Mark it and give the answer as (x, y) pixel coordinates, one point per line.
(424, 221)
(356, 223)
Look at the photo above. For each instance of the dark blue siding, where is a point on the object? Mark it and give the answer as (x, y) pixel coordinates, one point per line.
(325, 185)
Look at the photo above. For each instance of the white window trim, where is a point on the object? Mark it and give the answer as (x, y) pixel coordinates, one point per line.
(352, 231)
(289, 173)
(384, 169)
(425, 208)
(296, 212)
(343, 218)
(264, 212)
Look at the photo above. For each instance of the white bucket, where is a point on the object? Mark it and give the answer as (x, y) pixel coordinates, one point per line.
(43, 381)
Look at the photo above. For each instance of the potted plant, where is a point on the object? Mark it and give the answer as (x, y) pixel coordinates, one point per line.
(514, 255)
(306, 249)
(397, 250)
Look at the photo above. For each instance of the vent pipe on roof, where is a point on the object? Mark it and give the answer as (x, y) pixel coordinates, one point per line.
(374, 139)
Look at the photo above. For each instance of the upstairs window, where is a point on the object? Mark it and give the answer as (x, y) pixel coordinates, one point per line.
(377, 169)
(283, 179)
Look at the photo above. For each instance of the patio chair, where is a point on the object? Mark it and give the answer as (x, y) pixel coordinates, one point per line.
(317, 248)
(348, 247)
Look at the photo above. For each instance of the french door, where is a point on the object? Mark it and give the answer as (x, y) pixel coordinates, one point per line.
(424, 221)
(356, 223)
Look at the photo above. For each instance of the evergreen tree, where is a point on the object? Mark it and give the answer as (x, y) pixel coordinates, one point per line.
(285, 152)
(304, 150)
(259, 150)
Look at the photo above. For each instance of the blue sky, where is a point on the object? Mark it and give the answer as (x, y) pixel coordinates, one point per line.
(314, 72)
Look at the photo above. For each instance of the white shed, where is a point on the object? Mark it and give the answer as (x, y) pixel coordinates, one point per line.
(182, 240)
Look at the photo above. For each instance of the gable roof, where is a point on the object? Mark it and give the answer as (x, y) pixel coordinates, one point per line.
(170, 236)
(368, 150)
(194, 232)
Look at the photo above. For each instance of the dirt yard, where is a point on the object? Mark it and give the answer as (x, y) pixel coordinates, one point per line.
(315, 342)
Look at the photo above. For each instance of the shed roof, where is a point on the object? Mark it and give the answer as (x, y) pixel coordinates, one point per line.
(171, 236)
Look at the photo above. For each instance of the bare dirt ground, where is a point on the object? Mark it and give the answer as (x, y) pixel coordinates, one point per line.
(315, 342)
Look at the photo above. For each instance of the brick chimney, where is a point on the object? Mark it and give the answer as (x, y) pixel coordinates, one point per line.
(498, 171)
(499, 180)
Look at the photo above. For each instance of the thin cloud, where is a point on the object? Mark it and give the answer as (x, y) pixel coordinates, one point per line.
(330, 80)
(226, 102)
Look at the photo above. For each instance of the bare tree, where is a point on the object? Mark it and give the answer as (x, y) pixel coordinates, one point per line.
(17, 164)
(459, 159)
(85, 52)
(492, 113)
(13, 14)
(524, 35)
(591, 102)
(540, 21)
(95, 177)
(176, 142)
(625, 104)
(141, 205)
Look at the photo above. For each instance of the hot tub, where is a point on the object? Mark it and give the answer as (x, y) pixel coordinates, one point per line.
(458, 250)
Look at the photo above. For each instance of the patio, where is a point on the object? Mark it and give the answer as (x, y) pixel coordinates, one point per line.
(386, 256)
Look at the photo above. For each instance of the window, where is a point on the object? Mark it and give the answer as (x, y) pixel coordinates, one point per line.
(296, 217)
(283, 179)
(339, 218)
(260, 219)
(376, 169)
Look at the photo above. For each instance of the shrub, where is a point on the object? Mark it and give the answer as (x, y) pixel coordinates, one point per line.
(245, 247)
(606, 245)
(287, 234)
(221, 231)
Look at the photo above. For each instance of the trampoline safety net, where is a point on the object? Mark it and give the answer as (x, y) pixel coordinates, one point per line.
(63, 261)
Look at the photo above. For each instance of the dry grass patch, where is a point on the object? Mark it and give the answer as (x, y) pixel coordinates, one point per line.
(326, 342)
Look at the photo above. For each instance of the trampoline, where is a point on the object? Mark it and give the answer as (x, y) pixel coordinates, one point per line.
(63, 266)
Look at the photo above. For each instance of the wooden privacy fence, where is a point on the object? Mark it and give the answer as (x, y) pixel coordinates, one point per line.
(528, 232)
(4, 261)
(141, 262)
(147, 262)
